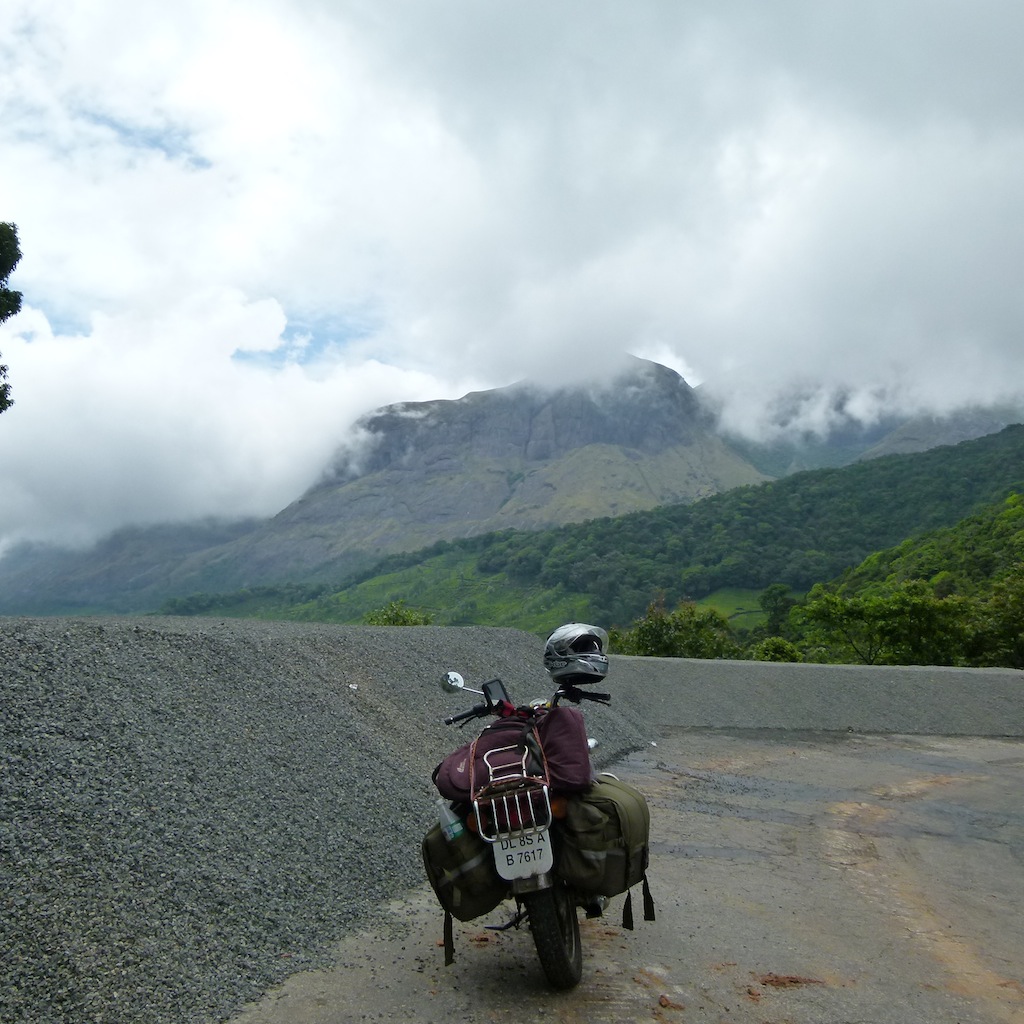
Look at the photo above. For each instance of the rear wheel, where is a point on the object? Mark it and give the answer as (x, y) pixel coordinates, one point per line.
(556, 934)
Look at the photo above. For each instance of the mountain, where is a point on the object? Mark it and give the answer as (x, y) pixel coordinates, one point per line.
(117, 574)
(850, 441)
(520, 457)
(806, 528)
(921, 433)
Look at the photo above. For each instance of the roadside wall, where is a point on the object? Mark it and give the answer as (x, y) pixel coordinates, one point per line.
(861, 698)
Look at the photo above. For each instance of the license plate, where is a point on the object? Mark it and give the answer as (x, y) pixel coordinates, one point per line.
(522, 856)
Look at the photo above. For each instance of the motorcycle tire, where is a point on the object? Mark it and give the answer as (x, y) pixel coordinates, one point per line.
(556, 934)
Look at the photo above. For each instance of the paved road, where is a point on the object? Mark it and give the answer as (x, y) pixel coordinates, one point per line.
(800, 879)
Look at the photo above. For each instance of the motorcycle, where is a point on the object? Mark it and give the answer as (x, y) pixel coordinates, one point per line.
(518, 807)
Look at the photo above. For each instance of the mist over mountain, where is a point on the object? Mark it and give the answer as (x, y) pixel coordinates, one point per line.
(924, 432)
(850, 438)
(522, 457)
(525, 457)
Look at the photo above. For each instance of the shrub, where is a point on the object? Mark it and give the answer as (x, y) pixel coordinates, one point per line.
(397, 613)
(775, 648)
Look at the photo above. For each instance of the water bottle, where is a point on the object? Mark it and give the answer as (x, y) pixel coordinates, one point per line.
(451, 823)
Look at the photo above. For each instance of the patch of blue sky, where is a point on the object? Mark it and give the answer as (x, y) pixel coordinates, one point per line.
(307, 340)
(64, 323)
(63, 319)
(173, 142)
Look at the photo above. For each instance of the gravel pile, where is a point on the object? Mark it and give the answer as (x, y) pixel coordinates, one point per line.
(191, 810)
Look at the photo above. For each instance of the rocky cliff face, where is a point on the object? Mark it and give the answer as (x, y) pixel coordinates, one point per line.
(649, 408)
(520, 457)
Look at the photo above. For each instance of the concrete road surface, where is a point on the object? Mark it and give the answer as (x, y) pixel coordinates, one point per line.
(799, 879)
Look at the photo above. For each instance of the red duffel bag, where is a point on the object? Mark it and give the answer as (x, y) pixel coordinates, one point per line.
(466, 767)
(564, 764)
(563, 737)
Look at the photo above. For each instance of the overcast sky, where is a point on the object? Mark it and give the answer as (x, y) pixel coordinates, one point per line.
(247, 222)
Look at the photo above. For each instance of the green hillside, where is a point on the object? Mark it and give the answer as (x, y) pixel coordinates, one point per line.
(962, 559)
(954, 596)
(803, 529)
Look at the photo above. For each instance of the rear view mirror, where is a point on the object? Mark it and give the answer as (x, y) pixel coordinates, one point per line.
(452, 682)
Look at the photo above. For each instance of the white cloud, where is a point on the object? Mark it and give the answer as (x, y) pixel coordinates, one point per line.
(402, 201)
(154, 422)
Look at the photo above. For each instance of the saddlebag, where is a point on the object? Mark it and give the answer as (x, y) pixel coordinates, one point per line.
(462, 874)
(603, 843)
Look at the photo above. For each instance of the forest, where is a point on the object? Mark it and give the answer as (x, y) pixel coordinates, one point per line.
(932, 532)
(952, 597)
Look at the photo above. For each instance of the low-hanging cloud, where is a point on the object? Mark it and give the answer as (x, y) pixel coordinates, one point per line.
(246, 226)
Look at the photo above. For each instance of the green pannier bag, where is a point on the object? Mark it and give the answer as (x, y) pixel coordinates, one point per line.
(604, 843)
(462, 874)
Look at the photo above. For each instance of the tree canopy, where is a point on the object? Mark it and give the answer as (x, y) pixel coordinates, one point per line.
(10, 300)
(687, 632)
(953, 596)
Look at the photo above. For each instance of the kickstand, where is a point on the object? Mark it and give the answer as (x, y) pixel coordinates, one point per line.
(514, 923)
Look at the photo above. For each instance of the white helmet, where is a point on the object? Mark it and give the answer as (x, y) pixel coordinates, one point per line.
(576, 652)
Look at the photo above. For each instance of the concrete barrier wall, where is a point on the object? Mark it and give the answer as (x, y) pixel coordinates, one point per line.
(767, 695)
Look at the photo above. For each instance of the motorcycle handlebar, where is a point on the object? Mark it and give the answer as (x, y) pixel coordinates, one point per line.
(576, 694)
(476, 711)
(570, 693)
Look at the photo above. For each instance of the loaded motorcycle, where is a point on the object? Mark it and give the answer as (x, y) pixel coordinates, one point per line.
(522, 816)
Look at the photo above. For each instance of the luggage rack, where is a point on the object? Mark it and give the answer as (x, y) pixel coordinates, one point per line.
(513, 802)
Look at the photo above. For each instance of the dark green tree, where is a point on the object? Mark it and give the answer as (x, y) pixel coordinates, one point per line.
(687, 632)
(999, 640)
(775, 648)
(902, 625)
(842, 629)
(776, 602)
(10, 300)
(923, 629)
